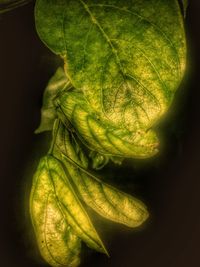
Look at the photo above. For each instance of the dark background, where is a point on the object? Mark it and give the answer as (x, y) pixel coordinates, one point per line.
(169, 183)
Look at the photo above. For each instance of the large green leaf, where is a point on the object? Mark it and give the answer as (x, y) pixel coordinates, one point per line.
(106, 200)
(58, 243)
(126, 56)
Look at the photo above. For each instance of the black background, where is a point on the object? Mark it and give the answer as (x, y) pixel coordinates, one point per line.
(169, 184)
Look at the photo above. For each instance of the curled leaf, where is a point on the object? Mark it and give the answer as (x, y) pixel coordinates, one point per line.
(101, 136)
(98, 160)
(56, 84)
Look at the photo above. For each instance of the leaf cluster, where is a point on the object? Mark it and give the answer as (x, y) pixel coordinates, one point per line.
(123, 62)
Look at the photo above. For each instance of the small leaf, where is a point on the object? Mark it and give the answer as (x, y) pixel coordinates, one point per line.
(48, 113)
(58, 243)
(98, 160)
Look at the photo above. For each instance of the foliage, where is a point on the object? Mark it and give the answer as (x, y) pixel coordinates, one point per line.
(123, 62)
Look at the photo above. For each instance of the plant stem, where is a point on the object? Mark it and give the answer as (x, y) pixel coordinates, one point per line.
(8, 7)
(55, 131)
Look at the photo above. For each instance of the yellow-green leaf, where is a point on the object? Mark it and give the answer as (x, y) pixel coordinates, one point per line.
(99, 134)
(58, 243)
(127, 57)
(103, 198)
(72, 207)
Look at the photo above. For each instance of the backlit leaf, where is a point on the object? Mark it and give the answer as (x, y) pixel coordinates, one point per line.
(71, 206)
(100, 135)
(106, 200)
(127, 57)
(58, 243)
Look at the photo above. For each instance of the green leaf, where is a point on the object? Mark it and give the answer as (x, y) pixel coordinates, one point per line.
(72, 207)
(100, 135)
(56, 84)
(127, 57)
(106, 200)
(66, 143)
(103, 198)
(58, 243)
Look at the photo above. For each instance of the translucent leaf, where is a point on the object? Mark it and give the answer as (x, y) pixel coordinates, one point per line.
(71, 206)
(103, 198)
(100, 135)
(106, 200)
(58, 243)
(127, 57)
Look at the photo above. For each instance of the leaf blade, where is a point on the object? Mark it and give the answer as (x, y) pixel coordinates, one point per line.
(150, 80)
(72, 207)
(57, 242)
(106, 200)
(101, 197)
(100, 135)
